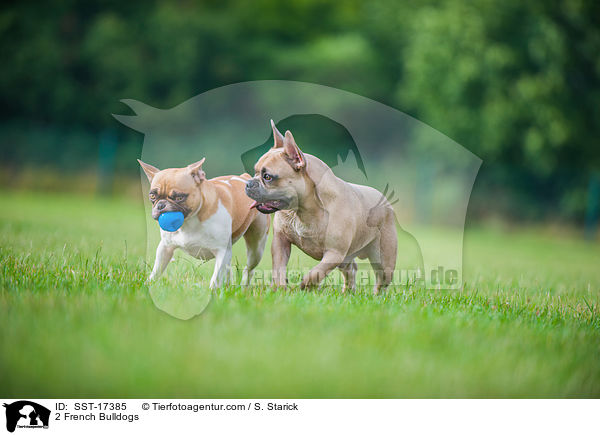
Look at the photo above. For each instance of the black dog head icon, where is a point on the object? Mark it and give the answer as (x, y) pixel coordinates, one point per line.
(319, 135)
(26, 409)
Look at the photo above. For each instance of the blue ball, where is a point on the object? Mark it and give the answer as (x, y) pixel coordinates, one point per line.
(171, 220)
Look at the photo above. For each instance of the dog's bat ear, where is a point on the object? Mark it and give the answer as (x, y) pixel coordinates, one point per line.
(277, 136)
(197, 165)
(150, 170)
(196, 170)
(294, 156)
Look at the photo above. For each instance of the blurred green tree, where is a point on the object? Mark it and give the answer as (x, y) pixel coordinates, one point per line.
(518, 83)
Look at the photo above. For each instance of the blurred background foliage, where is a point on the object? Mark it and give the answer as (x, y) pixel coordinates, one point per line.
(517, 83)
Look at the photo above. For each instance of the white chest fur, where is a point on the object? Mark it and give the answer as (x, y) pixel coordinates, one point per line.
(202, 239)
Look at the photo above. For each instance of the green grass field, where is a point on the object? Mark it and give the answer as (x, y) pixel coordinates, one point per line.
(76, 320)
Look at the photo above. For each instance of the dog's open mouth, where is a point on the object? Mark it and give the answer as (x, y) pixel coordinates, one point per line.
(268, 207)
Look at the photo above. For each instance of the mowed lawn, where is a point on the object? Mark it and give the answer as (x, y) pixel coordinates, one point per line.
(76, 320)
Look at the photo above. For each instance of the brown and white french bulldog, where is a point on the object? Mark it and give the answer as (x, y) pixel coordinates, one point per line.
(329, 219)
(216, 214)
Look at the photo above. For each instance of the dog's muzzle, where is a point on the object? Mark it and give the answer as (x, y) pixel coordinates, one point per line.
(263, 204)
(163, 206)
(251, 185)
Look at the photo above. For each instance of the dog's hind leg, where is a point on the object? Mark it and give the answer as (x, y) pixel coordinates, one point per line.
(383, 252)
(255, 238)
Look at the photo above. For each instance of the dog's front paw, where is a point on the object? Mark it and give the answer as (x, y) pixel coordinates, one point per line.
(310, 281)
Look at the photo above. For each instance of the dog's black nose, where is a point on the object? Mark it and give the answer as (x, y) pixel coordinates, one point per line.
(251, 184)
(161, 205)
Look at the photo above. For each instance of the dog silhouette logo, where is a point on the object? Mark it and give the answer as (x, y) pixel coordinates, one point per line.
(26, 414)
(424, 176)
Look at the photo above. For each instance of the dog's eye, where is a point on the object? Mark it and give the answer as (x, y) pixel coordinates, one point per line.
(179, 198)
(267, 177)
(152, 197)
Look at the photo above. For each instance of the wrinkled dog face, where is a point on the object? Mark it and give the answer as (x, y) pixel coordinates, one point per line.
(275, 185)
(175, 189)
(279, 179)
